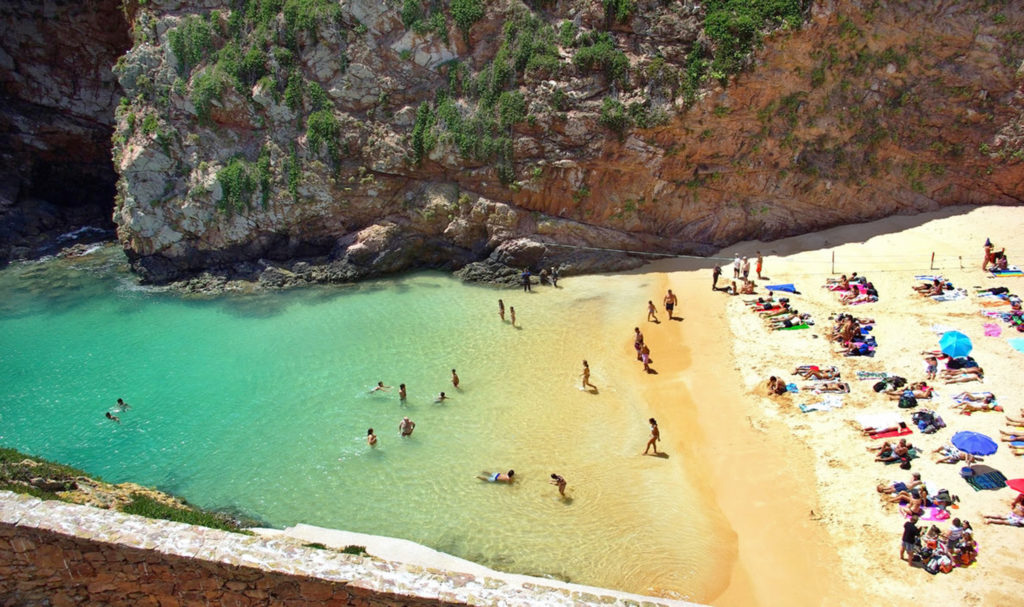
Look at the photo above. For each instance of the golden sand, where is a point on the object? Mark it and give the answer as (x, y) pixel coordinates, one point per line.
(798, 489)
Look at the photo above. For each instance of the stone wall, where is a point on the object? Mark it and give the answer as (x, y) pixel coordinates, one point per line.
(53, 553)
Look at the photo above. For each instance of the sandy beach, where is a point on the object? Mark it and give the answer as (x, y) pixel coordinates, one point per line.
(798, 489)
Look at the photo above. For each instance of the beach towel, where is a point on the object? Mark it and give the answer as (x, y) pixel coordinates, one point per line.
(950, 295)
(1016, 343)
(788, 288)
(1017, 443)
(941, 329)
(795, 327)
(932, 513)
(866, 375)
(882, 419)
(912, 453)
(929, 277)
(990, 480)
(792, 388)
(831, 401)
(1009, 272)
(893, 433)
(960, 399)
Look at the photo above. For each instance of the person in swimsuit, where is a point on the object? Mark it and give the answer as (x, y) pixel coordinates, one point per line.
(638, 341)
(714, 277)
(670, 303)
(760, 262)
(371, 438)
(501, 310)
(406, 426)
(380, 387)
(401, 392)
(455, 378)
(655, 437)
(652, 315)
(559, 482)
(441, 397)
(497, 477)
(512, 311)
(586, 376)
(645, 356)
(1015, 518)
(746, 268)
(112, 417)
(122, 406)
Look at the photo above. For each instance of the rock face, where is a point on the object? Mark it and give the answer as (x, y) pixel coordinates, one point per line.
(57, 99)
(355, 137)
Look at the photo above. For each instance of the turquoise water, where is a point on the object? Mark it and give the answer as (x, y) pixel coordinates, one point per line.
(259, 404)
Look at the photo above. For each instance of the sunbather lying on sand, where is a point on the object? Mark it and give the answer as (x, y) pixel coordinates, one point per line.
(908, 495)
(970, 406)
(896, 487)
(871, 430)
(817, 373)
(1014, 518)
(891, 453)
(832, 387)
(920, 390)
(785, 322)
(929, 288)
(959, 376)
(853, 348)
(975, 397)
(780, 312)
(952, 455)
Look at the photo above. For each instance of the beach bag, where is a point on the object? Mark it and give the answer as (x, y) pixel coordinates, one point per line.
(943, 496)
(907, 400)
(897, 381)
(879, 386)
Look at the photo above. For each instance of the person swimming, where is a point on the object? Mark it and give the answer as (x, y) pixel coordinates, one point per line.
(380, 387)
(122, 406)
(112, 417)
(441, 397)
(497, 477)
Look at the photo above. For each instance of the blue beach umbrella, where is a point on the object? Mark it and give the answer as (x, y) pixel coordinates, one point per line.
(974, 443)
(955, 344)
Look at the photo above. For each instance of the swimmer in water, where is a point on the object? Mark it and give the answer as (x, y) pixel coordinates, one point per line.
(406, 426)
(497, 477)
(401, 392)
(122, 406)
(441, 397)
(380, 387)
(371, 438)
(113, 417)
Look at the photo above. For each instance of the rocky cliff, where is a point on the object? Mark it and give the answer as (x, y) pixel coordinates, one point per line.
(366, 137)
(57, 99)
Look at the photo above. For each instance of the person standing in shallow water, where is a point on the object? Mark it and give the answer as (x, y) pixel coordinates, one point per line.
(371, 438)
(406, 426)
(501, 310)
(559, 482)
(401, 392)
(512, 312)
(455, 378)
(655, 437)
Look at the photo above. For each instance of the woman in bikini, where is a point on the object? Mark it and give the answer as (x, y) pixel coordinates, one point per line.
(655, 437)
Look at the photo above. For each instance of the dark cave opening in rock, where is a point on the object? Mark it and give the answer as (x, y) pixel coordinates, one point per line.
(57, 103)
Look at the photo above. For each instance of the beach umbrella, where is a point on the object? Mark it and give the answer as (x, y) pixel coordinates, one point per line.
(1017, 484)
(974, 443)
(955, 344)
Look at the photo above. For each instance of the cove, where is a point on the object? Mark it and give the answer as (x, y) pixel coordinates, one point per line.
(259, 404)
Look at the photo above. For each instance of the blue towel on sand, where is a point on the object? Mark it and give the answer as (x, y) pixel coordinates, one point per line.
(1016, 343)
(789, 288)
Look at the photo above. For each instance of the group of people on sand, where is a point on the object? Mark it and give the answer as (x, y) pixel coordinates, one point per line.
(119, 407)
(994, 261)
(549, 276)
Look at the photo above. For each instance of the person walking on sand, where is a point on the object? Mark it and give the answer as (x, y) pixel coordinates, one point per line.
(645, 357)
(714, 277)
(736, 263)
(559, 482)
(501, 310)
(670, 303)
(655, 437)
(760, 263)
(455, 378)
(652, 312)
(512, 312)
(371, 438)
(586, 376)
(406, 426)
(401, 392)
(638, 341)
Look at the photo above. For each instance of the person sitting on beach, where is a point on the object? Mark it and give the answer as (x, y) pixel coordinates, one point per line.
(113, 417)
(497, 477)
(1014, 518)
(748, 287)
(817, 373)
(898, 452)
(930, 289)
(866, 294)
(776, 386)
(872, 430)
(914, 505)
(843, 284)
(917, 389)
(963, 375)
(380, 387)
(931, 367)
(952, 455)
(896, 487)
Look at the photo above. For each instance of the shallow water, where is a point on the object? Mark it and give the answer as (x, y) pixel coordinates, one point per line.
(259, 404)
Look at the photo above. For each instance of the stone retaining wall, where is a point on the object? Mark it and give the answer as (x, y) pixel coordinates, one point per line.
(53, 553)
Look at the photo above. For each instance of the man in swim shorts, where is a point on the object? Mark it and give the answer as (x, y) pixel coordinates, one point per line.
(670, 303)
(559, 482)
(406, 426)
(497, 477)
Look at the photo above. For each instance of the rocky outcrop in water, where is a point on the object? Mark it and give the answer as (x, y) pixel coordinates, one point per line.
(352, 138)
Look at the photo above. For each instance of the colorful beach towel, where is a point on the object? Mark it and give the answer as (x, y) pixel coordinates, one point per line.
(951, 295)
(788, 288)
(893, 433)
(875, 375)
(1009, 272)
(931, 513)
(992, 330)
(831, 401)
(792, 388)
(990, 480)
(1017, 343)
(796, 327)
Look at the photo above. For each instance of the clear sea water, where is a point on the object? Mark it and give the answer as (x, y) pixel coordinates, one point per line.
(260, 403)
